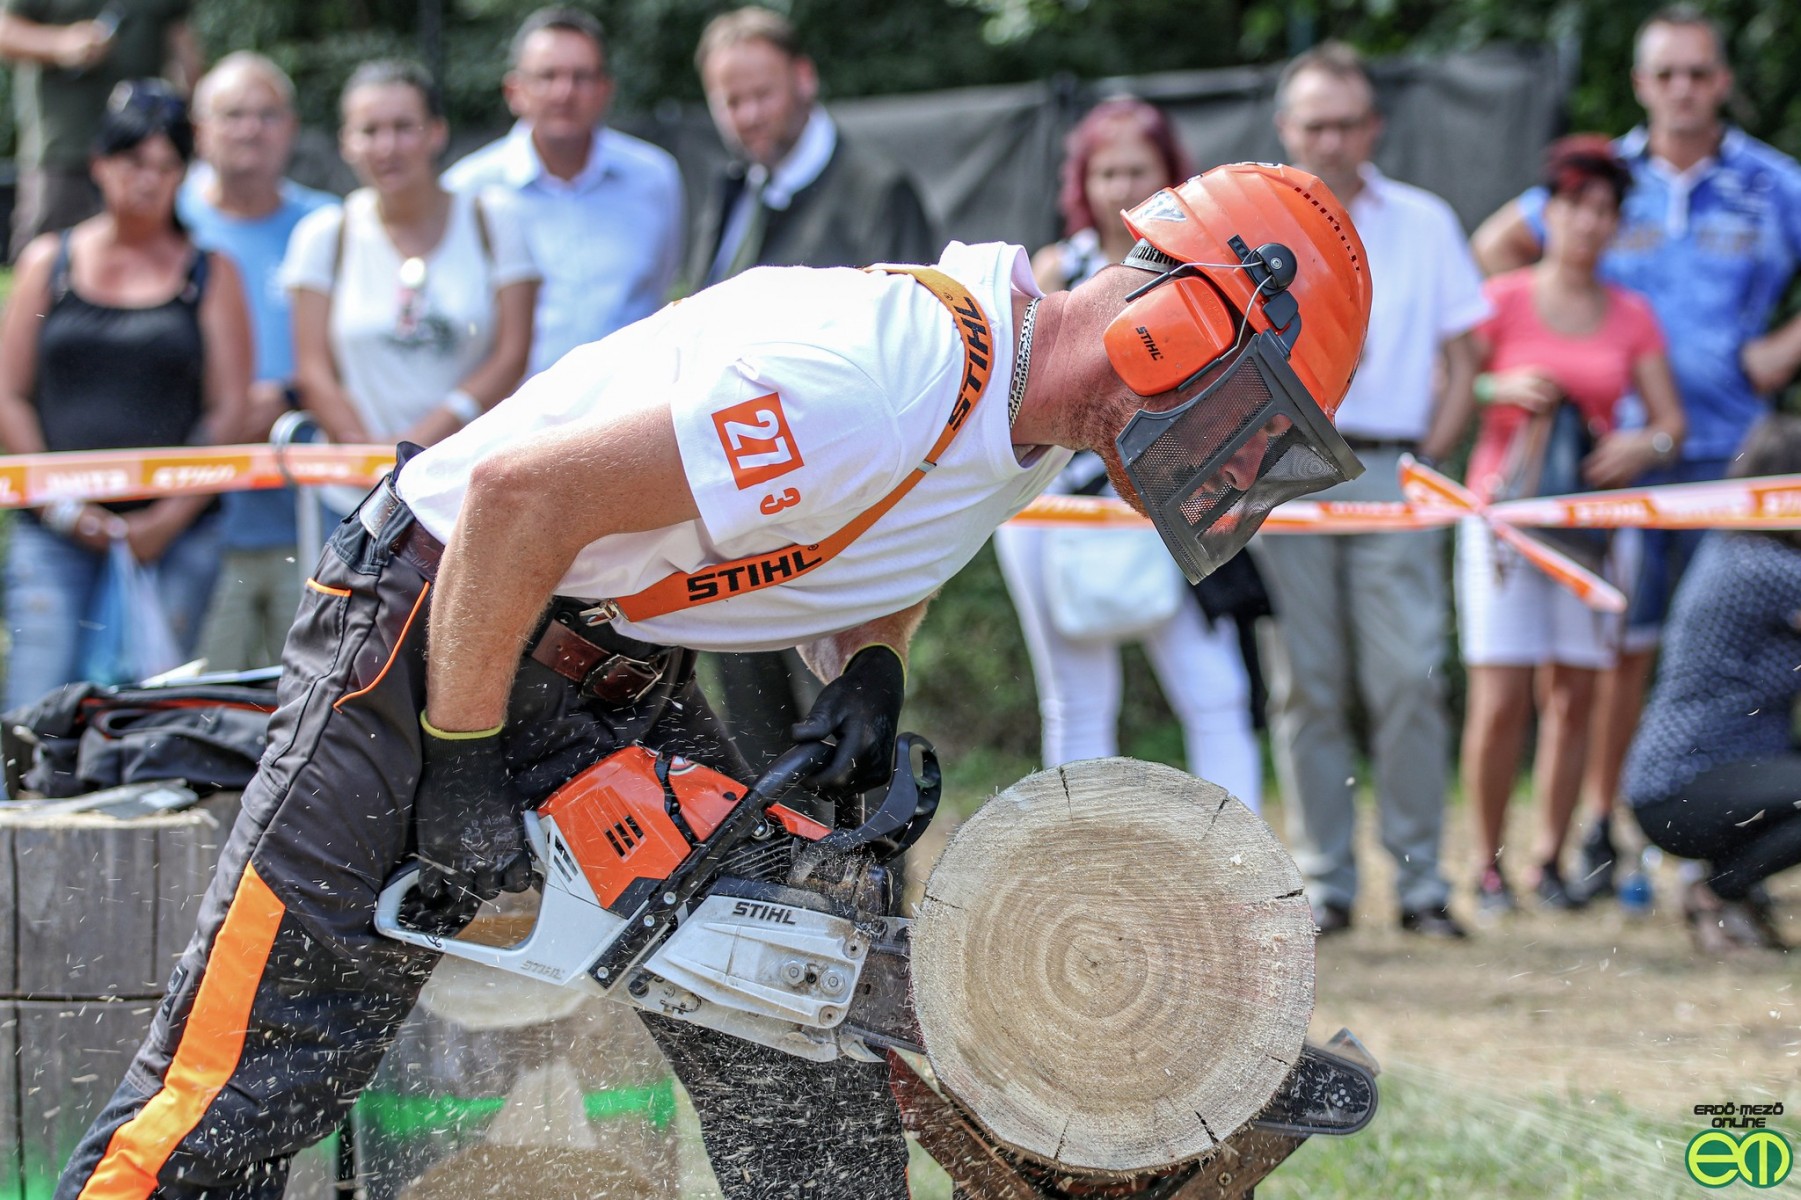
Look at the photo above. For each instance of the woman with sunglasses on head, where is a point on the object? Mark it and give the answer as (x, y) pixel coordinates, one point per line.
(119, 334)
(412, 306)
(1123, 151)
(1560, 352)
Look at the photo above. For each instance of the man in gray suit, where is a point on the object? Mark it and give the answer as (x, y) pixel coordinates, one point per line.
(798, 193)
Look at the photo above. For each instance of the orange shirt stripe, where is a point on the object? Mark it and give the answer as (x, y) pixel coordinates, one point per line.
(208, 1053)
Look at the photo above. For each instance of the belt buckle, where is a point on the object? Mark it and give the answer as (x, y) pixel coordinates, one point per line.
(620, 680)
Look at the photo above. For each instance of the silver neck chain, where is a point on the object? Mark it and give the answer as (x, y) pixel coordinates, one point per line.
(1022, 363)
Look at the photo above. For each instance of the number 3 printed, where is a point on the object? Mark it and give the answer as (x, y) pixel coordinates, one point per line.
(773, 504)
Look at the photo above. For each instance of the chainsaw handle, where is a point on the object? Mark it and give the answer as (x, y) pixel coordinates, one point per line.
(790, 771)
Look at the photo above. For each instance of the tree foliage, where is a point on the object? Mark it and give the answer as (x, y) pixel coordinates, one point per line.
(916, 45)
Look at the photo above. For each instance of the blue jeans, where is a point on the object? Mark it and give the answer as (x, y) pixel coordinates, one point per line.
(50, 585)
(1664, 555)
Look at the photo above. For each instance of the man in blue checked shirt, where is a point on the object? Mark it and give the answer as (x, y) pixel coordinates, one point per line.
(1711, 233)
(602, 210)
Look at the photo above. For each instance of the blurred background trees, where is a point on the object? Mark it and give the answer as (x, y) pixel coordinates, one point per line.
(914, 45)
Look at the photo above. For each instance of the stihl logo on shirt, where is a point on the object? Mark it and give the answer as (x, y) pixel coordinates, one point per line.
(757, 440)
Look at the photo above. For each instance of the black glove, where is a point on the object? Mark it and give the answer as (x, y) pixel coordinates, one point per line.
(860, 711)
(471, 843)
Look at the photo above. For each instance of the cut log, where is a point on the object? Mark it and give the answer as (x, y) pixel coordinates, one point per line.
(1113, 966)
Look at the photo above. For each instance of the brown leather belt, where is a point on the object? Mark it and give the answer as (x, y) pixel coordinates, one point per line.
(605, 674)
(414, 544)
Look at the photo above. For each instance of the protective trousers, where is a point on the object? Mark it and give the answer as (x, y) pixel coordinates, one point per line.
(286, 999)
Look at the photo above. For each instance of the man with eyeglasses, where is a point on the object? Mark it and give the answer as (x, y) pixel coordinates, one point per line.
(797, 193)
(67, 56)
(1711, 234)
(602, 210)
(1362, 618)
(239, 202)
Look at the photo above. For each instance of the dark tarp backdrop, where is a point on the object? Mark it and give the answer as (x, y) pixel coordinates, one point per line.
(1467, 126)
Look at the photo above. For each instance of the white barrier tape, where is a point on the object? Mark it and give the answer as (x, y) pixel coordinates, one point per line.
(1768, 502)
(27, 480)
(1434, 500)
(1429, 491)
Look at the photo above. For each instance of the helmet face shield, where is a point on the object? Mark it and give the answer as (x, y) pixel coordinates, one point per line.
(1210, 470)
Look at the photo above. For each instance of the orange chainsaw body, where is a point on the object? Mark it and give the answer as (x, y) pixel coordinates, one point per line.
(615, 817)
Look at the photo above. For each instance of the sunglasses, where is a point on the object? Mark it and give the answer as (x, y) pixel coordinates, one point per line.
(152, 98)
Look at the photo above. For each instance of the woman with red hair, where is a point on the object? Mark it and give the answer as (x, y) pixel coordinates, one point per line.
(1120, 153)
(1560, 352)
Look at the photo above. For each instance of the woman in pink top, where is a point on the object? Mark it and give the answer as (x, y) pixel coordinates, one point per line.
(1559, 336)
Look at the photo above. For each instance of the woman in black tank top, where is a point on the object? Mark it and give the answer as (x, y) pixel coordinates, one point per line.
(119, 334)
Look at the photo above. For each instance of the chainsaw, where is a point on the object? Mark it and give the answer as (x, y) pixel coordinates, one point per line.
(634, 861)
(638, 903)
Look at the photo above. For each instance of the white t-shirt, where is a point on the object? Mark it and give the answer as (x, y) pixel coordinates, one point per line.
(1426, 290)
(800, 397)
(397, 365)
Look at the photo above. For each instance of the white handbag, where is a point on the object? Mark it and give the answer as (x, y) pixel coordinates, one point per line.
(1110, 584)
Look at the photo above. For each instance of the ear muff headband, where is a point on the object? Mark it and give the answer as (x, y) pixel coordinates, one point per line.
(1169, 334)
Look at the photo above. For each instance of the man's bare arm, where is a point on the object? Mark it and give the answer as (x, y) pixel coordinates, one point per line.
(528, 512)
(827, 655)
(1505, 242)
(1771, 361)
(79, 45)
(1457, 402)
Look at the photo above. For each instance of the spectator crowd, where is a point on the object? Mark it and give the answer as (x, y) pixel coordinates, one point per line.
(1612, 326)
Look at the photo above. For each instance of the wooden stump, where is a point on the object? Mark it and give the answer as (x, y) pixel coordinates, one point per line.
(1113, 966)
(94, 911)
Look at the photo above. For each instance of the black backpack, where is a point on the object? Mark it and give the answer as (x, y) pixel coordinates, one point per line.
(84, 737)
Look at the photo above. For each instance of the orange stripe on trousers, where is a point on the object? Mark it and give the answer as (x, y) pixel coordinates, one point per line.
(208, 1053)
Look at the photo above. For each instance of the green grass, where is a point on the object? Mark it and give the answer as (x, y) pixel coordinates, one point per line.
(1440, 1138)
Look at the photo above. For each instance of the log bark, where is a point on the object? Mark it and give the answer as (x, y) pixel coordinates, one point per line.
(1113, 966)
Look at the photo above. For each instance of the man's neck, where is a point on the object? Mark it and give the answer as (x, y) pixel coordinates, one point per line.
(246, 197)
(564, 158)
(1682, 150)
(1060, 406)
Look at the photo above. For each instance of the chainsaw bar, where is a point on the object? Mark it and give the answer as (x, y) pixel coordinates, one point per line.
(881, 1014)
(1325, 1093)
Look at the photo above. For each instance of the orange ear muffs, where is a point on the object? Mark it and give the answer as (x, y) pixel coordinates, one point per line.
(1169, 334)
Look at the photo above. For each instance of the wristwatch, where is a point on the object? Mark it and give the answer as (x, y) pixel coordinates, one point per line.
(1662, 444)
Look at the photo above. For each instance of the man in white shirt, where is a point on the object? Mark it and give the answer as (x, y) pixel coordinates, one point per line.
(602, 210)
(797, 193)
(1362, 617)
(794, 457)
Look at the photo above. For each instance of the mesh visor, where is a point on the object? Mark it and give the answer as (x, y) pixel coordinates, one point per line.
(1210, 470)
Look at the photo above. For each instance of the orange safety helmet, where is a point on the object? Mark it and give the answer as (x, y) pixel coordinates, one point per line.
(1262, 295)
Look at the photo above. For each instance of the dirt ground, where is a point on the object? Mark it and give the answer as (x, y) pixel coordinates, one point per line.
(1592, 1008)
(1574, 1005)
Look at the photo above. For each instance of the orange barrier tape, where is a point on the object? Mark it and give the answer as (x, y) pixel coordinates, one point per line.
(1769, 502)
(32, 479)
(1428, 490)
(1435, 500)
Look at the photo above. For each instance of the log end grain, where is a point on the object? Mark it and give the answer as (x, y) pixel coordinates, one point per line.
(1113, 966)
